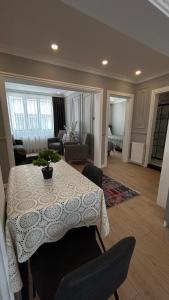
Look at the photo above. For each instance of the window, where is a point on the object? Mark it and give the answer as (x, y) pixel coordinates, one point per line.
(31, 116)
(17, 113)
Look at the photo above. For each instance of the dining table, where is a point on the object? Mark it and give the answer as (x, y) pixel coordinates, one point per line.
(42, 211)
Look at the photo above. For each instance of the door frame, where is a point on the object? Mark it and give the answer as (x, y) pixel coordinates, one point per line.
(4, 76)
(6, 123)
(151, 121)
(5, 291)
(128, 123)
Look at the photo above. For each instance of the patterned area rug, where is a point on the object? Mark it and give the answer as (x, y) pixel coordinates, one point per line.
(115, 192)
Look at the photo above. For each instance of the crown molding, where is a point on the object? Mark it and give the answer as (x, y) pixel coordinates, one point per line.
(154, 76)
(63, 63)
(74, 66)
(162, 5)
(27, 79)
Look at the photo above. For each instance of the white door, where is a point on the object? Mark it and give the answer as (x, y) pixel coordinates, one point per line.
(5, 293)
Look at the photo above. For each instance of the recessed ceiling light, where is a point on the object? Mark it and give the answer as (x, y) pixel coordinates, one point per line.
(104, 62)
(138, 72)
(54, 47)
(58, 92)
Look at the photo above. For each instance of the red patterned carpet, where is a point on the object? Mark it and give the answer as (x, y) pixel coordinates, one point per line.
(115, 192)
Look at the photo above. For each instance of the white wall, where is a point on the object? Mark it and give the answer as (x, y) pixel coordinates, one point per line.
(72, 109)
(117, 111)
(78, 107)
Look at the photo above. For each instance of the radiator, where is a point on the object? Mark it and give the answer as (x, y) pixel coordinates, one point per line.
(137, 152)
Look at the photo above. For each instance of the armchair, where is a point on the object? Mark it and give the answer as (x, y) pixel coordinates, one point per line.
(55, 143)
(77, 152)
(18, 142)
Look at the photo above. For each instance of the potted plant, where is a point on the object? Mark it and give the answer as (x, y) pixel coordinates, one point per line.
(71, 133)
(44, 159)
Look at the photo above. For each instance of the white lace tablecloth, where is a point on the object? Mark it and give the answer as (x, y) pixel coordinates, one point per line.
(40, 211)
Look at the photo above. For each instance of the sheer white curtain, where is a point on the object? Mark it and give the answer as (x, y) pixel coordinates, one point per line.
(31, 119)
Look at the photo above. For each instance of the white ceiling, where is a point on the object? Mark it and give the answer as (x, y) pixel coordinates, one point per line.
(17, 87)
(29, 27)
(138, 19)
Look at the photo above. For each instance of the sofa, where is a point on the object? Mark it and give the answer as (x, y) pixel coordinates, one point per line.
(19, 151)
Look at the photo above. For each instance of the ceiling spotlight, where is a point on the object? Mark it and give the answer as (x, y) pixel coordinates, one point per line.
(138, 72)
(54, 47)
(104, 62)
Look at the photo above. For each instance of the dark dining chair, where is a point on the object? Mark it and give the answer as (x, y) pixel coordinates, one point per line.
(95, 174)
(57, 277)
(52, 261)
(99, 278)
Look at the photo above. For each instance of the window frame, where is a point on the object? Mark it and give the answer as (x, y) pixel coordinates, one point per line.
(25, 97)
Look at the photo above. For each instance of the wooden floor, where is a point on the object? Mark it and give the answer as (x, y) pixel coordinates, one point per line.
(148, 276)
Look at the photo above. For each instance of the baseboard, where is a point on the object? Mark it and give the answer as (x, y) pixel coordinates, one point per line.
(136, 163)
(158, 168)
(103, 166)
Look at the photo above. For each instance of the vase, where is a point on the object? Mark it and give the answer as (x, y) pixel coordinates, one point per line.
(47, 172)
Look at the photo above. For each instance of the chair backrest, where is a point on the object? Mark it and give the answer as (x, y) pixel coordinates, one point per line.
(100, 278)
(61, 134)
(89, 141)
(94, 174)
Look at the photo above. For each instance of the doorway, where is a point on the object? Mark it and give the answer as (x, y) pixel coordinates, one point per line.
(157, 127)
(32, 118)
(97, 118)
(36, 118)
(160, 131)
(118, 126)
(163, 185)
